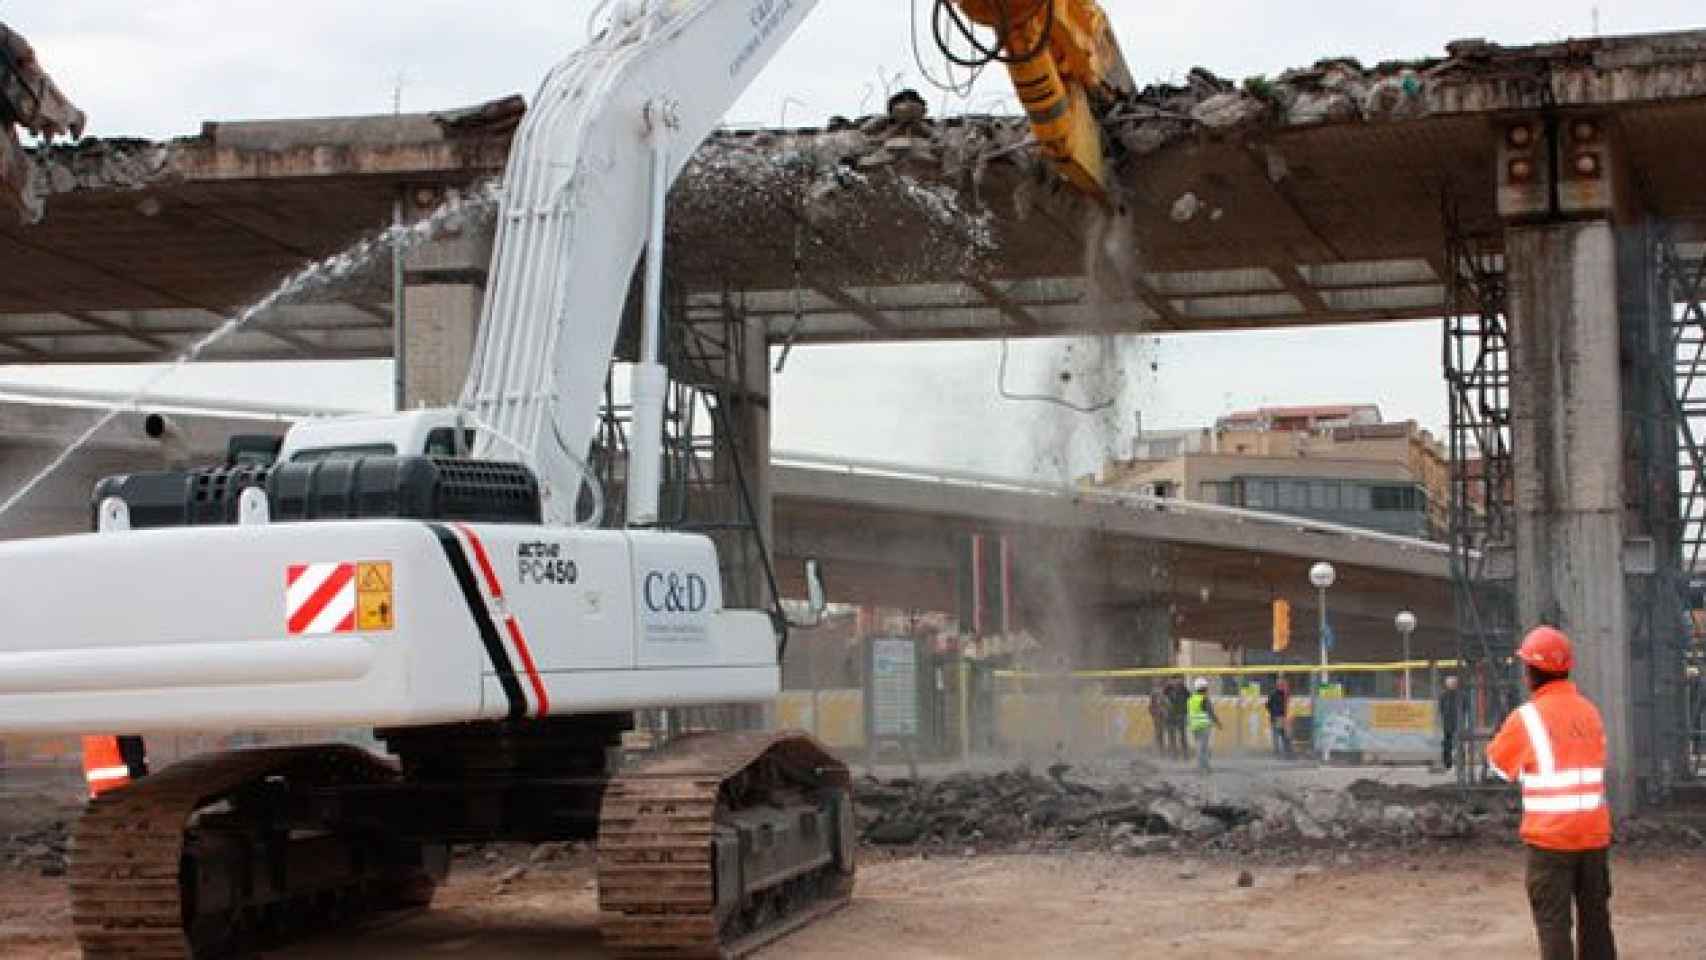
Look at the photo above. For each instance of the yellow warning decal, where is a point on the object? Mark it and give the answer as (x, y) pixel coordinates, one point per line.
(375, 607)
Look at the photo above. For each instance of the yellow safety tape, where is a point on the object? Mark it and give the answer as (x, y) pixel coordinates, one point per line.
(1132, 673)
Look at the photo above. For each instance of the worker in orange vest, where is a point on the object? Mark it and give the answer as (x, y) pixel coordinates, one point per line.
(1554, 745)
(111, 762)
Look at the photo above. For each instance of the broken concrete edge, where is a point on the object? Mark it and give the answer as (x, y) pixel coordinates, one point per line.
(941, 164)
(467, 142)
(1475, 78)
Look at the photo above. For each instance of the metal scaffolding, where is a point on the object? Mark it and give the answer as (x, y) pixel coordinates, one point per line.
(706, 486)
(1658, 442)
(1481, 532)
(1679, 310)
(1663, 346)
(1682, 272)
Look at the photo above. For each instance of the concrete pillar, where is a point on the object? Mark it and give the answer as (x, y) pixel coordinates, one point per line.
(444, 283)
(1567, 426)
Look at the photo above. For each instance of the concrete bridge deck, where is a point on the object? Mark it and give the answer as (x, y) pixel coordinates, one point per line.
(1314, 198)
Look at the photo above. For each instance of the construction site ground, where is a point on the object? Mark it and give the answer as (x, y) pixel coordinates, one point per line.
(1026, 906)
(1039, 897)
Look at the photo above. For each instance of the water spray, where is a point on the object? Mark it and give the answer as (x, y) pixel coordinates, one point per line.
(339, 266)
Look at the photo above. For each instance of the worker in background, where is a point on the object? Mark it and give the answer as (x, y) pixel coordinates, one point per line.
(1177, 700)
(111, 762)
(1203, 722)
(1158, 716)
(1450, 711)
(1554, 745)
(1279, 699)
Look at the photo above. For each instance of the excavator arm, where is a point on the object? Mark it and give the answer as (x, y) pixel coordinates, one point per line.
(635, 103)
(28, 98)
(1066, 67)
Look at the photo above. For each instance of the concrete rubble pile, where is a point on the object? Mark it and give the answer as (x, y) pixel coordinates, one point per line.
(960, 149)
(1019, 810)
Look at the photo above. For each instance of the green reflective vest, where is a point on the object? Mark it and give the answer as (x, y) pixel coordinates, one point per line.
(1197, 709)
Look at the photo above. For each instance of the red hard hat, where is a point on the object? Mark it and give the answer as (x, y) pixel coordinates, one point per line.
(1548, 649)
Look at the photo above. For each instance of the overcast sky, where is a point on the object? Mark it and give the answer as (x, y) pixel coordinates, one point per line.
(160, 67)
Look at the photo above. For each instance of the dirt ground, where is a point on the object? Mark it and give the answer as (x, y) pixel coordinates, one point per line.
(1025, 906)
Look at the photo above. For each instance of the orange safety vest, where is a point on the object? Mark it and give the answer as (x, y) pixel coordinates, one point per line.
(103, 765)
(1555, 746)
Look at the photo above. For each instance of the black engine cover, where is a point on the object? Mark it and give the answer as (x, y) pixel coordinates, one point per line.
(417, 488)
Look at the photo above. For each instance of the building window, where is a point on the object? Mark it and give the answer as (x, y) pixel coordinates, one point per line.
(1223, 492)
(1357, 498)
(1324, 495)
(1260, 494)
(441, 442)
(1394, 498)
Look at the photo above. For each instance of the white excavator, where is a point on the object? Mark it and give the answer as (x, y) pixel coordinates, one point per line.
(423, 574)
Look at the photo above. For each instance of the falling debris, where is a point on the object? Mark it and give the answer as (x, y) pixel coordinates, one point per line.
(1185, 208)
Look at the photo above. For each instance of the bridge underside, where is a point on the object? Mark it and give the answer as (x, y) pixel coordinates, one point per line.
(1314, 198)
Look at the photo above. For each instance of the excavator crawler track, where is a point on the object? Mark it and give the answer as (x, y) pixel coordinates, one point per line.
(142, 859)
(670, 828)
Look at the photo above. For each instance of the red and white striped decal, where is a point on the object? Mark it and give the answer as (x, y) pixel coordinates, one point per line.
(512, 626)
(319, 598)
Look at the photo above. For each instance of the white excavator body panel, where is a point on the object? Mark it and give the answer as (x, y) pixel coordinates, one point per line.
(365, 623)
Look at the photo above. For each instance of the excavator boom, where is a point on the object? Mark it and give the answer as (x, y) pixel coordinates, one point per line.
(28, 98)
(1066, 67)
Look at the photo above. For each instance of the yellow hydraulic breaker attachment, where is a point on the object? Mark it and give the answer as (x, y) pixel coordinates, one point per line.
(1066, 67)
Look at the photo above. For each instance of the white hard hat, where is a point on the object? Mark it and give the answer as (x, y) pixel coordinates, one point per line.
(1201, 683)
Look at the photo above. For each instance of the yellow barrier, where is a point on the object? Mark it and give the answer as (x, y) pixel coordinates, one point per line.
(836, 717)
(1091, 720)
(1137, 673)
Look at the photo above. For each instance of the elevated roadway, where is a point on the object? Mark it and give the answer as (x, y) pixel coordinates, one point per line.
(1109, 568)
(1318, 197)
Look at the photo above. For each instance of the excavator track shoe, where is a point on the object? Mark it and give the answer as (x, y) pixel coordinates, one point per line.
(219, 852)
(722, 843)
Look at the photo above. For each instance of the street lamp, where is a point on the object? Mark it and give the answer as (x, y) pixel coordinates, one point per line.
(1322, 575)
(1405, 621)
